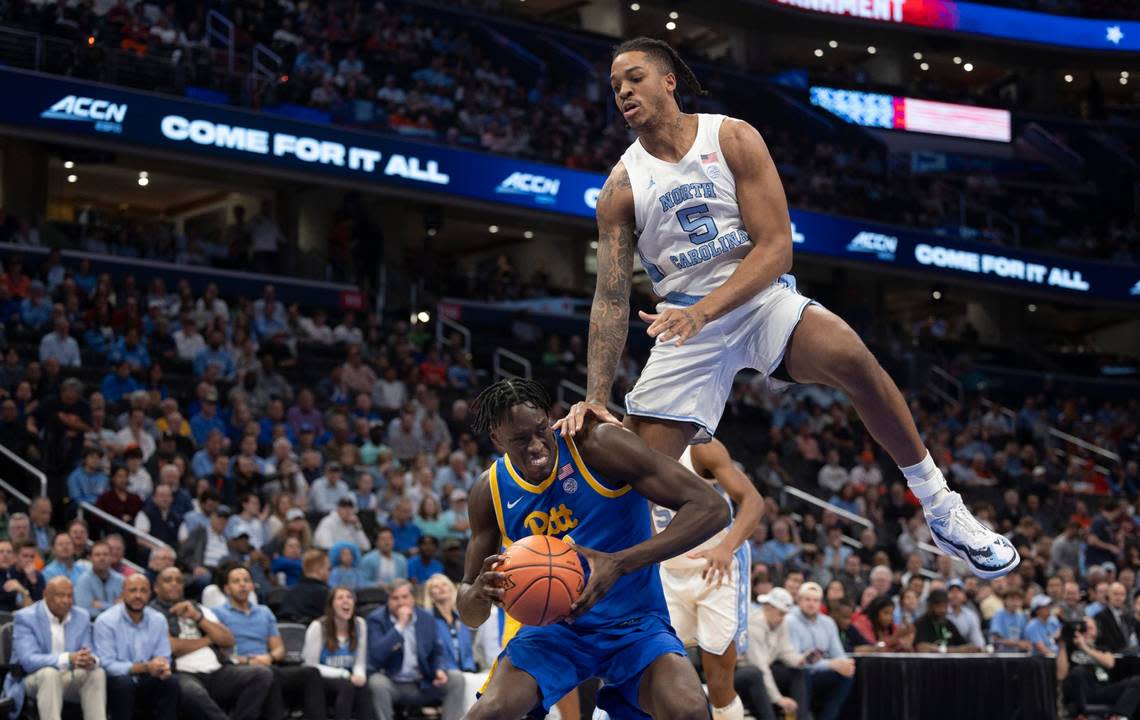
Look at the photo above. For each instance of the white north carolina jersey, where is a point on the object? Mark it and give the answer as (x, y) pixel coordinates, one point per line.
(662, 516)
(690, 236)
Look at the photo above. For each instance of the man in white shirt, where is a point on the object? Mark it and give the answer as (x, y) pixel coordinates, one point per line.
(832, 476)
(770, 649)
(60, 345)
(188, 340)
(867, 472)
(135, 434)
(341, 525)
(52, 642)
(327, 490)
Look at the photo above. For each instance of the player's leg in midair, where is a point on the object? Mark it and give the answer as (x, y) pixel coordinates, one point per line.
(825, 350)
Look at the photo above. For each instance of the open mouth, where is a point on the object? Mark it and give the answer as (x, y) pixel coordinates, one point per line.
(628, 109)
(539, 462)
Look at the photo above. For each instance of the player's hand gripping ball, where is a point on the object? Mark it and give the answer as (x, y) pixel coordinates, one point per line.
(543, 578)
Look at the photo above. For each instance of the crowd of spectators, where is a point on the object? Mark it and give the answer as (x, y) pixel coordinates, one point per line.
(269, 455)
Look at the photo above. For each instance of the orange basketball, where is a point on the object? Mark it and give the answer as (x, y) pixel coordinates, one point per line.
(544, 576)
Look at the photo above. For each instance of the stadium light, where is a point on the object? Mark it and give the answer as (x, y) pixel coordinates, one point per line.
(918, 56)
(528, 234)
(818, 52)
(832, 44)
(924, 66)
(937, 294)
(144, 181)
(72, 178)
(1032, 307)
(1068, 78)
(1123, 73)
(673, 15)
(957, 60)
(634, 7)
(871, 50)
(423, 316)
(593, 244)
(493, 229)
(431, 232)
(68, 164)
(968, 67)
(1123, 81)
(670, 25)
(143, 173)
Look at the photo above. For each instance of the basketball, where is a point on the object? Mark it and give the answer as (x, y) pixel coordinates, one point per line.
(544, 577)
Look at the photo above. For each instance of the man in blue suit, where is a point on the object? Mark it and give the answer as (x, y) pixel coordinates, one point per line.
(51, 645)
(406, 658)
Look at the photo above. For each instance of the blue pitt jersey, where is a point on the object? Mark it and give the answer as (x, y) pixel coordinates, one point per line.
(573, 502)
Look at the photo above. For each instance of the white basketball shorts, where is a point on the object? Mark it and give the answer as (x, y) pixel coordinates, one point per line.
(712, 617)
(692, 382)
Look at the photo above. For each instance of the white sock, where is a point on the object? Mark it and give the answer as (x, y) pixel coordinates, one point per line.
(925, 480)
(732, 711)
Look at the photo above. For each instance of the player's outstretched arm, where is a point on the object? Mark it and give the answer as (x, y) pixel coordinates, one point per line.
(481, 585)
(621, 456)
(609, 313)
(764, 210)
(714, 459)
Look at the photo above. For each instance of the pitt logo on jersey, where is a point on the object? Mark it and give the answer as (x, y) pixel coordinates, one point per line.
(559, 520)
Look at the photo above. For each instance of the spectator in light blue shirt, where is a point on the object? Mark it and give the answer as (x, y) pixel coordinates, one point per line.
(830, 673)
(257, 639)
(384, 565)
(132, 641)
(405, 530)
(119, 383)
(425, 564)
(780, 548)
(130, 349)
(87, 481)
(64, 562)
(35, 310)
(100, 587)
(1041, 632)
(215, 354)
(207, 419)
(1007, 626)
(325, 492)
(60, 345)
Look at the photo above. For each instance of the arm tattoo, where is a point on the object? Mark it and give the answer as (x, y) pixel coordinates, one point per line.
(609, 315)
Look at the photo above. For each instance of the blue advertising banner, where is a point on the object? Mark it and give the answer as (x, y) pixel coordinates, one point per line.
(902, 249)
(87, 110)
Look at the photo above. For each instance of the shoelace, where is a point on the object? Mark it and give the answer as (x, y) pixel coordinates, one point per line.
(962, 516)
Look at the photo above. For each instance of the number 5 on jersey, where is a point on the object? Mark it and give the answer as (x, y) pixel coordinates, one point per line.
(697, 221)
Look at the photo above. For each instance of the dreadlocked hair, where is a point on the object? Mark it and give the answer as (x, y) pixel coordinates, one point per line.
(495, 402)
(664, 53)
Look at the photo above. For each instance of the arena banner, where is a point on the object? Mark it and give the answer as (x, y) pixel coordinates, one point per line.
(978, 19)
(59, 105)
(74, 111)
(912, 250)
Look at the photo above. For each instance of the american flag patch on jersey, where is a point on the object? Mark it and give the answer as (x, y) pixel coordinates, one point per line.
(710, 158)
(565, 471)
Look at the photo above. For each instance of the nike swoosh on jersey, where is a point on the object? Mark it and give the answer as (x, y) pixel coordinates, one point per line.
(512, 504)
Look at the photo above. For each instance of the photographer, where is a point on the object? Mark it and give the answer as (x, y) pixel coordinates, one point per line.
(1084, 673)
